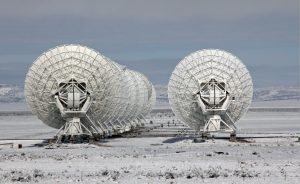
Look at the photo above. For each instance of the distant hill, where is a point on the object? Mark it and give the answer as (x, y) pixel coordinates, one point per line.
(276, 93)
(11, 93)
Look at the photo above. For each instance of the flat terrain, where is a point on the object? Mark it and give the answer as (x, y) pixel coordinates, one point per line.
(268, 154)
(155, 160)
(29, 127)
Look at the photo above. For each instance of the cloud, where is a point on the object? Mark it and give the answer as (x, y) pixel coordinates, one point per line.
(152, 36)
(148, 10)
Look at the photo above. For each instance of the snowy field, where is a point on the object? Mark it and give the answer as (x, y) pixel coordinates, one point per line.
(155, 160)
(29, 127)
(270, 154)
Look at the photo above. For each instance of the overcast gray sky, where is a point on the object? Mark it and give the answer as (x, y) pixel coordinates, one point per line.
(153, 36)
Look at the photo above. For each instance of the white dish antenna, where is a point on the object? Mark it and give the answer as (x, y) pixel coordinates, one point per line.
(81, 92)
(210, 90)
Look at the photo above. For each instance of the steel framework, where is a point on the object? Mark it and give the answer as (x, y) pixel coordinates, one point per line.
(80, 92)
(210, 90)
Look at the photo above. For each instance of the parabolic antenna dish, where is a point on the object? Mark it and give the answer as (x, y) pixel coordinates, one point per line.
(79, 91)
(210, 90)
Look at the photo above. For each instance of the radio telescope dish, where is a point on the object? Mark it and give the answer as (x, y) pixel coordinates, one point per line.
(80, 92)
(210, 90)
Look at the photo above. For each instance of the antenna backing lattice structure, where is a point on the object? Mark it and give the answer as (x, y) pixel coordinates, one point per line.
(80, 92)
(210, 90)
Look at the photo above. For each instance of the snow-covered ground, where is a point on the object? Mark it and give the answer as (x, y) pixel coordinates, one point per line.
(270, 154)
(14, 106)
(155, 160)
(29, 127)
(24, 127)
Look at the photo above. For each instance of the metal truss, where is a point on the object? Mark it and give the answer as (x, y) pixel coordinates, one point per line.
(210, 90)
(77, 90)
